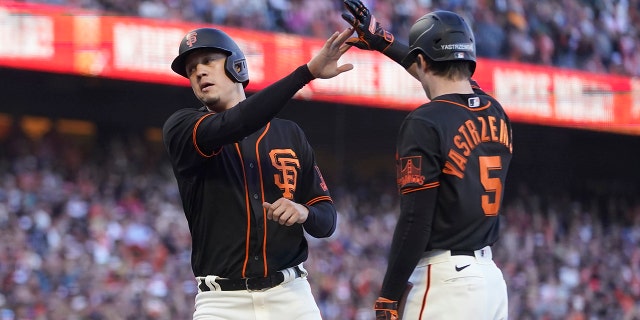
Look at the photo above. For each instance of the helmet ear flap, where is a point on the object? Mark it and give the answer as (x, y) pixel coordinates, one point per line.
(236, 68)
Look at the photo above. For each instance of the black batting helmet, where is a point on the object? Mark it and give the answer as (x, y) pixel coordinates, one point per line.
(441, 36)
(203, 38)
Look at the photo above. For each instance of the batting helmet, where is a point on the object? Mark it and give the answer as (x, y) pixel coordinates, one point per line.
(209, 38)
(441, 36)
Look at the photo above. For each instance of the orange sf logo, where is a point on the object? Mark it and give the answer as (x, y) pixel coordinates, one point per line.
(286, 161)
(191, 38)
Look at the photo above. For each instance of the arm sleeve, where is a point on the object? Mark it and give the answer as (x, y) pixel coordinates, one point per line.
(191, 135)
(418, 183)
(396, 52)
(321, 222)
(409, 240)
(251, 114)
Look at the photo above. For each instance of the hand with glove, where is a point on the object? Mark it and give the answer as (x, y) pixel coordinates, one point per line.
(371, 35)
(386, 309)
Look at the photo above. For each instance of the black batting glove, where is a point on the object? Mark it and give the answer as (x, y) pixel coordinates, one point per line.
(371, 36)
(386, 309)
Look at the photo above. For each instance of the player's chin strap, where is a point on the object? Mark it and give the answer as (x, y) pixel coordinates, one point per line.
(386, 309)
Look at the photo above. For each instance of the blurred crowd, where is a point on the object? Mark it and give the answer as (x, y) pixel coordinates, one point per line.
(93, 229)
(601, 36)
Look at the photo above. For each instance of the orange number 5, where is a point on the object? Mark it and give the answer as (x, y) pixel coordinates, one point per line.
(493, 185)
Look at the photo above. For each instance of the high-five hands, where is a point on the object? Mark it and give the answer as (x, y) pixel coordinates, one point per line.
(324, 65)
(371, 35)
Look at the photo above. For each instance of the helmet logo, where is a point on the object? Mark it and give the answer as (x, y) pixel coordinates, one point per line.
(191, 38)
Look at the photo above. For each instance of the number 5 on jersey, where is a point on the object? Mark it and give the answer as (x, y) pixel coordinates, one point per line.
(491, 185)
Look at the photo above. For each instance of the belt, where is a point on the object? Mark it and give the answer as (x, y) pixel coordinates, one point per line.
(463, 253)
(252, 284)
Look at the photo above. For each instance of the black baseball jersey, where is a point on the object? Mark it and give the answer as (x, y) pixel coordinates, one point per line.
(452, 159)
(227, 164)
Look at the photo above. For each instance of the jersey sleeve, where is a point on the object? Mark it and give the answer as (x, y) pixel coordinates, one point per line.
(178, 139)
(314, 193)
(418, 159)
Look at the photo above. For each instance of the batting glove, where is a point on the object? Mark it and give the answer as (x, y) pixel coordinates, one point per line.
(371, 36)
(386, 309)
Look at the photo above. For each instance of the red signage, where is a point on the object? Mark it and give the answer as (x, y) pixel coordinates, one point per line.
(67, 40)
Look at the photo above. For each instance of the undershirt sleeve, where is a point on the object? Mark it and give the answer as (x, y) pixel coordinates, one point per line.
(410, 239)
(418, 142)
(252, 113)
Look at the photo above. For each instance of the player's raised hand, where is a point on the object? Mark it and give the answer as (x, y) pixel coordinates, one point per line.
(286, 212)
(371, 35)
(324, 64)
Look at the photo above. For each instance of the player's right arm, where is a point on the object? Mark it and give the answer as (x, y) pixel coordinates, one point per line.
(418, 168)
(371, 35)
(190, 134)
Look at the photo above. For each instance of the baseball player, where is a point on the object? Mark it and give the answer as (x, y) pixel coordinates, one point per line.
(453, 154)
(249, 182)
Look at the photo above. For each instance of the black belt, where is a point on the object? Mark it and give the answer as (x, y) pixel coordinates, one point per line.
(463, 253)
(250, 284)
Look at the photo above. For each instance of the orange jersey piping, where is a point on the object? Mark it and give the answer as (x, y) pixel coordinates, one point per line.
(195, 142)
(264, 211)
(246, 199)
(486, 106)
(426, 291)
(318, 199)
(426, 186)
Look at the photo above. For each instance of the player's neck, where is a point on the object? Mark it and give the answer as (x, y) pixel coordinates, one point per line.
(441, 87)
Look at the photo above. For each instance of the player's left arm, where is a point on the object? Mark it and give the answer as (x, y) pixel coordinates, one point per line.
(312, 205)
(319, 219)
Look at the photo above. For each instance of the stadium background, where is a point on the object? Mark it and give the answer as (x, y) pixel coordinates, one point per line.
(92, 228)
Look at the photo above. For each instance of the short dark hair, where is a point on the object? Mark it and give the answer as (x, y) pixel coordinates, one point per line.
(452, 69)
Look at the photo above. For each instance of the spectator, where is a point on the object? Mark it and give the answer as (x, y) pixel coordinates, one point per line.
(597, 36)
(93, 231)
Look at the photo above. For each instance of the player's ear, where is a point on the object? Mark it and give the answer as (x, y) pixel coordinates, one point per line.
(421, 62)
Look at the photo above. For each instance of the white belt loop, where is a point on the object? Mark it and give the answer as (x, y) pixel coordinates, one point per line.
(290, 273)
(305, 273)
(209, 281)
